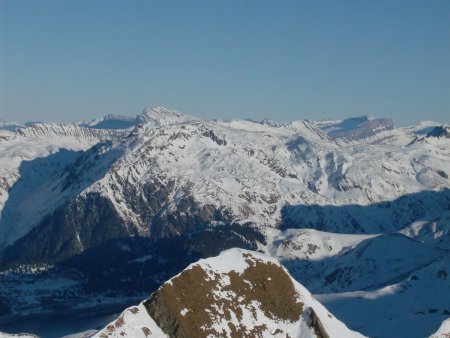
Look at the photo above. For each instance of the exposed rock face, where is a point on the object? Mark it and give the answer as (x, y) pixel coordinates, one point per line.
(237, 294)
(261, 287)
(315, 323)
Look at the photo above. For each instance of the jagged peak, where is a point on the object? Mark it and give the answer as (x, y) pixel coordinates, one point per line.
(269, 122)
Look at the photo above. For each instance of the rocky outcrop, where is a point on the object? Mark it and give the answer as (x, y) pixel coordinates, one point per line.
(262, 287)
(237, 294)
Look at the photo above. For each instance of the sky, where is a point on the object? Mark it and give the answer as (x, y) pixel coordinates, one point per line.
(64, 60)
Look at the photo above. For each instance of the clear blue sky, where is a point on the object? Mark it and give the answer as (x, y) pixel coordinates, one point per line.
(67, 60)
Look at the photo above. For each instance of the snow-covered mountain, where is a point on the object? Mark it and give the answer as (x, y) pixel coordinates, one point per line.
(33, 155)
(347, 206)
(156, 116)
(252, 172)
(110, 121)
(239, 293)
(12, 126)
(356, 128)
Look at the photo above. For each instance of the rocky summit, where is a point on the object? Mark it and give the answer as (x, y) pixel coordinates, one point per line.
(239, 293)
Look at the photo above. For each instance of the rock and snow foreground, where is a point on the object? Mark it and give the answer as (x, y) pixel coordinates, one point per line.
(239, 293)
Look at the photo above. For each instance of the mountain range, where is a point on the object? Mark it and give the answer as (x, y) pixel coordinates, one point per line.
(105, 212)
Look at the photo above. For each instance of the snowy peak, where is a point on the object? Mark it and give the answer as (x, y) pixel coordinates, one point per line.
(152, 116)
(269, 122)
(112, 121)
(356, 128)
(239, 293)
(160, 116)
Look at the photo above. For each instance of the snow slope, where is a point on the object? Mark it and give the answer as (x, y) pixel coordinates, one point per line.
(412, 307)
(385, 285)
